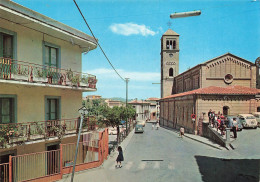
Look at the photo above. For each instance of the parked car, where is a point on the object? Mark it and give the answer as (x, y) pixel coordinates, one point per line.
(230, 122)
(139, 128)
(142, 122)
(248, 120)
(257, 116)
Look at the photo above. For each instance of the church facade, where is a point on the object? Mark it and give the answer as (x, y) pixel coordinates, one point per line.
(225, 84)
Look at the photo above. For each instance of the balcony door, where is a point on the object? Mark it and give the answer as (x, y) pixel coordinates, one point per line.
(6, 48)
(6, 110)
(52, 109)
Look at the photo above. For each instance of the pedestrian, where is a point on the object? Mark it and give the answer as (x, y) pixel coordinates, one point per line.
(157, 125)
(181, 131)
(222, 125)
(120, 157)
(209, 115)
(234, 127)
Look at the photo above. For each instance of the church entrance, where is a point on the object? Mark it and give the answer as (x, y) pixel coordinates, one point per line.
(225, 110)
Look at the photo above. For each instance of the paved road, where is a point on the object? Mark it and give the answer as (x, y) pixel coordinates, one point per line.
(161, 155)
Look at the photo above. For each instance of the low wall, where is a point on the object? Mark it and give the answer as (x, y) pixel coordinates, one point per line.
(213, 135)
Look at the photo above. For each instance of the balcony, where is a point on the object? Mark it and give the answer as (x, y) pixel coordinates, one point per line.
(14, 134)
(20, 72)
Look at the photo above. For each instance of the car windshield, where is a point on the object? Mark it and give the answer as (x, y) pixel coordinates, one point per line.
(250, 117)
(139, 126)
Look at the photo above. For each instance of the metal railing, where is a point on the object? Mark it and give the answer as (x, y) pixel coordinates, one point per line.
(17, 133)
(121, 136)
(86, 153)
(4, 172)
(36, 165)
(11, 69)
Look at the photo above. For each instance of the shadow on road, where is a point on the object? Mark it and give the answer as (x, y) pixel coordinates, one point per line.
(228, 170)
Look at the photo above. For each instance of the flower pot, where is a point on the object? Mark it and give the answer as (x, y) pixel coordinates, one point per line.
(84, 84)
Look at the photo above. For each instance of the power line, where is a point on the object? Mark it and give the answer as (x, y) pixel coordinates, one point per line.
(97, 42)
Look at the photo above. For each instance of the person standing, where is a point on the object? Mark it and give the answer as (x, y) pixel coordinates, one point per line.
(234, 127)
(120, 157)
(181, 131)
(209, 115)
(157, 125)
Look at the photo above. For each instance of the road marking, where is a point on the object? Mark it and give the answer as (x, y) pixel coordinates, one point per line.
(129, 165)
(156, 165)
(171, 166)
(142, 165)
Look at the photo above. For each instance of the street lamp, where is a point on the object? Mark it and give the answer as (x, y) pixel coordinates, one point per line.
(185, 14)
(126, 100)
(83, 111)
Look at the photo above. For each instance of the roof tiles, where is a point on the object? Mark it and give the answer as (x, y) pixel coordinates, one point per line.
(230, 90)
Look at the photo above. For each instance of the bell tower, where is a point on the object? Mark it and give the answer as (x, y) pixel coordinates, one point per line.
(169, 61)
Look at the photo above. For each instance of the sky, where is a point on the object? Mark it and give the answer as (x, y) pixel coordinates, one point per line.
(129, 32)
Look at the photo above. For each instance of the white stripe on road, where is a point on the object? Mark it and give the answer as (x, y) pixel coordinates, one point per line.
(171, 166)
(156, 165)
(142, 165)
(128, 165)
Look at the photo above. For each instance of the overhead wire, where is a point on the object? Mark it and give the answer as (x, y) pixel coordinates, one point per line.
(98, 43)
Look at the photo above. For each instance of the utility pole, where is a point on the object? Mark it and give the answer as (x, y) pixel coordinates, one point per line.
(126, 100)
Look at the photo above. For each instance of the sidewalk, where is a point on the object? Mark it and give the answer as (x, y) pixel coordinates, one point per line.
(98, 173)
(197, 138)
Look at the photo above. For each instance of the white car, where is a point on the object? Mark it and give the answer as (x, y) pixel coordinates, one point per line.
(112, 131)
(142, 122)
(248, 120)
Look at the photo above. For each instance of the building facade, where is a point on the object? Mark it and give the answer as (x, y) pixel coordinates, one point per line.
(41, 82)
(113, 103)
(226, 84)
(142, 109)
(154, 108)
(169, 61)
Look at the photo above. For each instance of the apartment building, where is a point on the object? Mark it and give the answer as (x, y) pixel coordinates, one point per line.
(142, 108)
(41, 82)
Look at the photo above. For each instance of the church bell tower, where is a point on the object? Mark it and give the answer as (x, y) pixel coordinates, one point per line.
(169, 61)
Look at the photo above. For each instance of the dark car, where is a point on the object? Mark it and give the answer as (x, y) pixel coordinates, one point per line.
(139, 128)
(230, 122)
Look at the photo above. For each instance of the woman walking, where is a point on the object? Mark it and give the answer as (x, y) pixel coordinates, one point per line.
(157, 125)
(120, 157)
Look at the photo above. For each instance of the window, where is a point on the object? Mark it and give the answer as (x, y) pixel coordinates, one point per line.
(52, 108)
(170, 44)
(7, 110)
(51, 55)
(171, 72)
(174, 44)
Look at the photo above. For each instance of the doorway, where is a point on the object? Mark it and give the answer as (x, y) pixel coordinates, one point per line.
(53, 159)
(225, 110)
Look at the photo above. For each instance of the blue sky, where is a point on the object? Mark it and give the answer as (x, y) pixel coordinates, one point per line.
(129, 31)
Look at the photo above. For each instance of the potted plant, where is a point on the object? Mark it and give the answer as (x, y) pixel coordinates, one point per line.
(39, 76)
(69, 75)
(75, 80)
(84, 81)
(21, 74)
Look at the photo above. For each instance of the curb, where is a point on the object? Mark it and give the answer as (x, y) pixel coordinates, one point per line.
(191, 138)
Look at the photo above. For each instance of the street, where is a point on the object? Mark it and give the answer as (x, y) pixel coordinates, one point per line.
(161, 155)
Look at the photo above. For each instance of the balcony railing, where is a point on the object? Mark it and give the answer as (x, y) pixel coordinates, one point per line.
(19, 133)
(34, 73)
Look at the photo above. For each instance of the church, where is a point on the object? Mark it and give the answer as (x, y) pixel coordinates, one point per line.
(225, 84)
